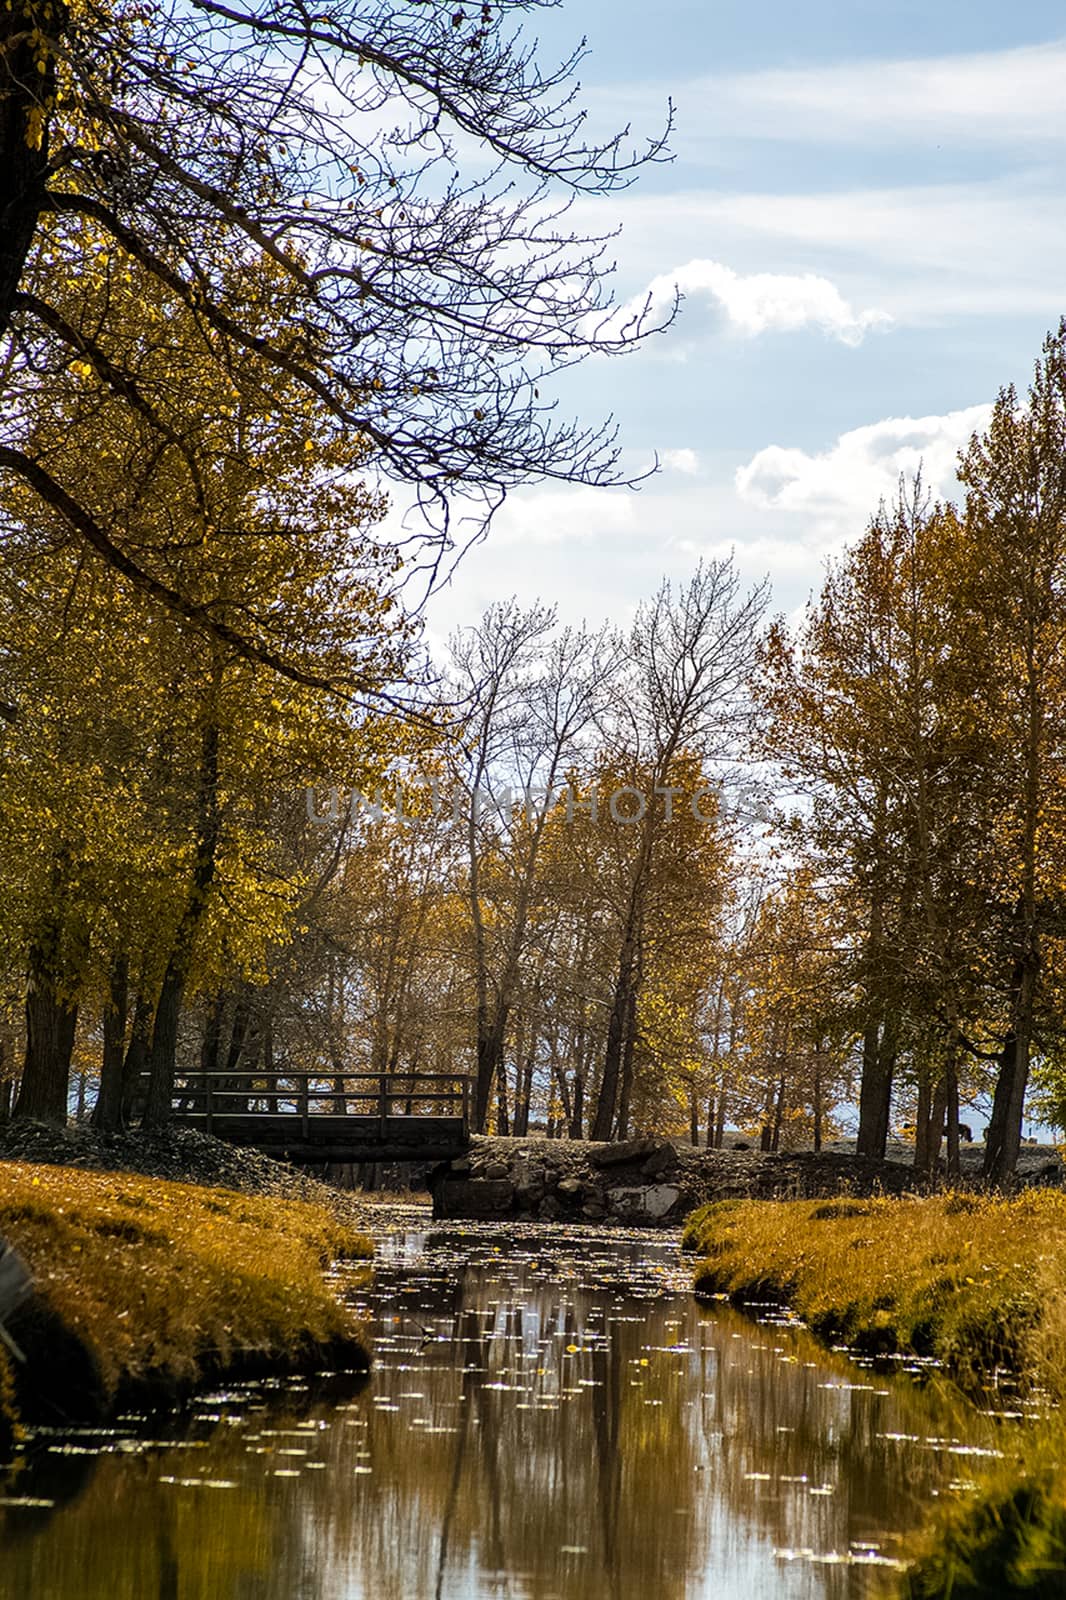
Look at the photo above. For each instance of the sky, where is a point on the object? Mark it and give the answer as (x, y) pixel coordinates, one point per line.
(865, 215)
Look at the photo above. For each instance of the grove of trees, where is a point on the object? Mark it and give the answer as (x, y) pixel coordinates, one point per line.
(708, 871)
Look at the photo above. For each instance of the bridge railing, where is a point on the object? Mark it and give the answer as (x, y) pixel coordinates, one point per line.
(305, 1095)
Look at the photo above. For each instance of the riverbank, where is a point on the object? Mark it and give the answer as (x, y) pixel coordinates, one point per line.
(644, 1182)
(179, 1154)
(145, 1289)
(977, 1285)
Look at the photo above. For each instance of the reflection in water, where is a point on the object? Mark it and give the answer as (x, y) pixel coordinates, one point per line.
(551, 1417)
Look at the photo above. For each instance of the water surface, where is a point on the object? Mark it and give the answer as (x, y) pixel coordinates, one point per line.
(551, 1416)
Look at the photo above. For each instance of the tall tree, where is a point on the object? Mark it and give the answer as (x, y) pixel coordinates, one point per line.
(534, 693)
(422, 301)
(690, 654)
(1015, 477)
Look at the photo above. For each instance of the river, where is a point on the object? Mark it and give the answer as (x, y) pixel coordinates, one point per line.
(551, 1416)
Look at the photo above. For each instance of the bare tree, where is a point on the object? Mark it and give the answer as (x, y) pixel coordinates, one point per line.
(535, 693)
(691, 654)
(368, 201)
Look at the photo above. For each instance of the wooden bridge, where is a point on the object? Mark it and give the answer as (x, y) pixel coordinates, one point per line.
(319, 1117)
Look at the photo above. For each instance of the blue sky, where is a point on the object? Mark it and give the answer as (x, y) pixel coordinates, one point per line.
(866, 214)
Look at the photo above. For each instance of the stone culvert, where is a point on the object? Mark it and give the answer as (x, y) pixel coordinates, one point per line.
(645, 1182)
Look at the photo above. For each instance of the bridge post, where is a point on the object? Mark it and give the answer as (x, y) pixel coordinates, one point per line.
(383, 1102)
(209, 1098)
(305, 1106)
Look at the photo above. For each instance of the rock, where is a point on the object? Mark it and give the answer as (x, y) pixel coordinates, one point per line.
(627, 1204)
(613, 1155)
(569, 1186)
(475, 1197)
(665, 1159)
(549, 1208)
(660, 1199)
(496, 1170)
(460, 1167)
(595, 1210)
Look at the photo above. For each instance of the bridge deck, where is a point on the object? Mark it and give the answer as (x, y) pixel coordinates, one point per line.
(316, 1117)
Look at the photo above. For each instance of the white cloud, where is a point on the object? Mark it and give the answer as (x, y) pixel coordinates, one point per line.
(836, 490)
(684, 461)
(755, 303)
(918, 252)
(1000, 96)
(1010, 97)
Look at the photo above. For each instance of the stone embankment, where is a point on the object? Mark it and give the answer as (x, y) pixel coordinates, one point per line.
(646, 1182)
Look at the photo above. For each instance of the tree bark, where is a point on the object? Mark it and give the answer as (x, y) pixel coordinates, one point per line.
(875, 1091)
(1004, 1137)
(107, 1113)
(779, 1114)
(951, 1107)
(938, 1107)
(168, 1011)
(607, 1100)
(136, 1062)
(503, 1126)
(51, 1020)
(922, 1127)
(626, 1080)
(22, 90)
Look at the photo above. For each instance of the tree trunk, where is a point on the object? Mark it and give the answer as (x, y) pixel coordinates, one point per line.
(490, 1042)
(779, 1115)
(626, 1083)
(51, 1021)
(922, 1127)
(951, 1106)
(577, 1113)
(6, 1085)
(136, 1062)
(502, 1121)
(211, 1044)
(524, 1088)
(1004, 1137)
(607, 1100)
(163, 1051)
(720, 1116)
(936, 1125)
(168, 1011)
(23, 89)
(875, 1092)
(107, 1113)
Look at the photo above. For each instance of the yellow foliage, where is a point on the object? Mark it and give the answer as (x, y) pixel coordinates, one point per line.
(974, 1281)
(165, 1280)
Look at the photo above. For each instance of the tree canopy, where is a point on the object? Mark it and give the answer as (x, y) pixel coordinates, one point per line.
(364, 206)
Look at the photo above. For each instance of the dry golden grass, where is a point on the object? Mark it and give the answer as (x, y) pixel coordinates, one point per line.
(977, 1282)
(165, 1282)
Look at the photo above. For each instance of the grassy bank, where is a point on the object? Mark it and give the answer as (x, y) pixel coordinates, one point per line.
(977, 1283)
(146, 1288)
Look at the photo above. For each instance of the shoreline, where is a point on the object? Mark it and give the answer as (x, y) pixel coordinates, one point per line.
(975, 1283)
(146, 1289)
